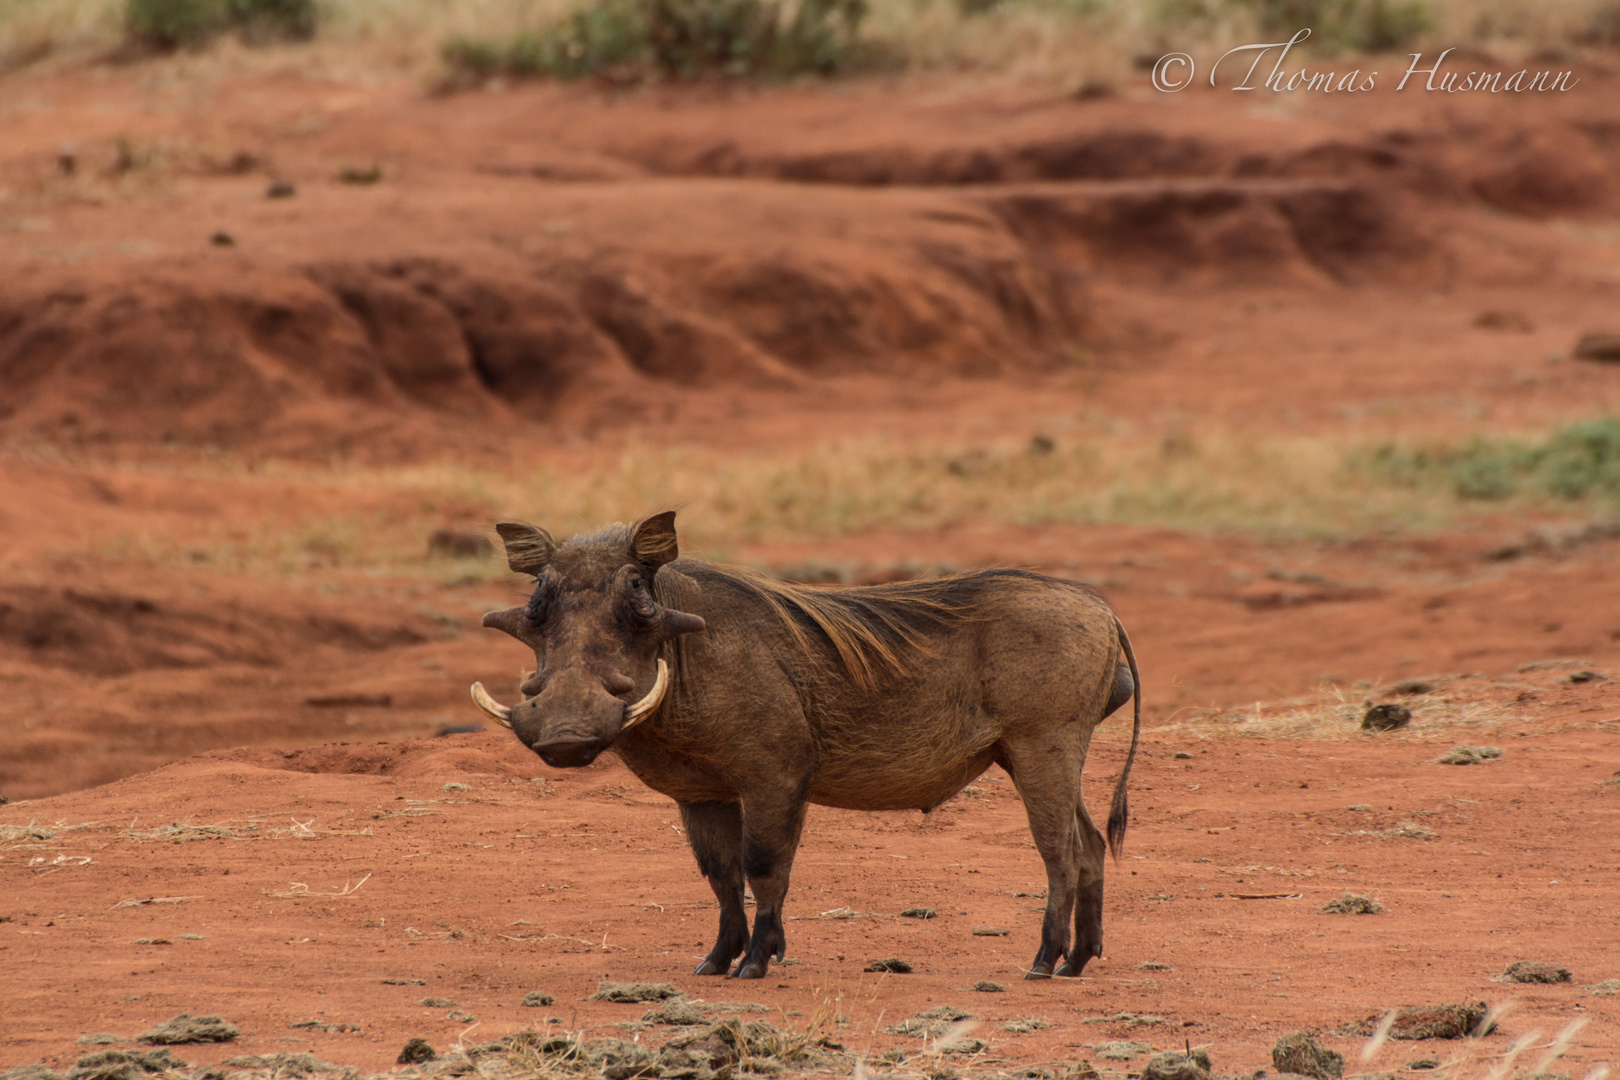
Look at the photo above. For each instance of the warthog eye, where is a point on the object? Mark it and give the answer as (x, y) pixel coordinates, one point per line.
(539, 602)
(641, 604)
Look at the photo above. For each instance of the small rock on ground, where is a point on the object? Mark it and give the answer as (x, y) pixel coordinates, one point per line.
(1298, 1052)
(1469, 755)
(186, 1028)
(1386, 718)
(1535, 971)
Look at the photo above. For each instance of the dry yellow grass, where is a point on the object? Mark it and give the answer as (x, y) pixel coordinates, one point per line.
(380, 518)
(1270, 487)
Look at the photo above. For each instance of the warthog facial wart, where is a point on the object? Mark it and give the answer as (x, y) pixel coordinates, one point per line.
(745, 699)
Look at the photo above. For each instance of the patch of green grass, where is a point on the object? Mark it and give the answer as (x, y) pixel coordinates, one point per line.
(1580, 462)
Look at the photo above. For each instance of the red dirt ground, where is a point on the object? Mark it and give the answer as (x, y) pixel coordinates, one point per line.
(547, 273)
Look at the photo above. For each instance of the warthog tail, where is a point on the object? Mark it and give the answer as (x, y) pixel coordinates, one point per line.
(1119, 815)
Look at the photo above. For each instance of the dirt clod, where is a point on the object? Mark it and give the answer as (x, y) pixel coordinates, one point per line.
(919, 913)
(186, 1028)
(1600, 347)
(1175, 1065)
(1423, 1063)
(1469, 755)
(1431, 1022)
(1413, 687)
(630, 993)
(1298, 1052)
(1352, 904)
(1020, 1027)
(1535, 971)
(892, 964)
(289, 1066)
(1386, 718)
(534, 999)
(37, 1071)
(985, 986)
(124, 1065)
(989, 931)
(416, 1052)
(678, 1012)
(1584, 677)
(1121, 1051)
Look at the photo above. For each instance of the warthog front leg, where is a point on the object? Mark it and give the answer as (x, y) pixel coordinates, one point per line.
(770, 840)
(714, 829)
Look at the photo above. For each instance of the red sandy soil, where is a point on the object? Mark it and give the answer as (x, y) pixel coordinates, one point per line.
(544, 273)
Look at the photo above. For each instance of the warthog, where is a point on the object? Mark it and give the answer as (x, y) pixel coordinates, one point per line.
(745, 699)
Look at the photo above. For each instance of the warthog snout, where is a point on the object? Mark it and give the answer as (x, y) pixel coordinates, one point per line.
(568, 753)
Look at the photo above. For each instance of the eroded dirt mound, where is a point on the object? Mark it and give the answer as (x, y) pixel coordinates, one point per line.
(113, 633)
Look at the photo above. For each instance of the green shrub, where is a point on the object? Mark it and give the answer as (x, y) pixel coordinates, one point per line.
(1577, 462)
(170, 24)
(683, 39)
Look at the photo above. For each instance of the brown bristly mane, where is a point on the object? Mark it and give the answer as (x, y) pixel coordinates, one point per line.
(875, 629)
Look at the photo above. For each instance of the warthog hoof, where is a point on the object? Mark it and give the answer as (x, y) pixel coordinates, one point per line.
(710, 967)
(752, 969)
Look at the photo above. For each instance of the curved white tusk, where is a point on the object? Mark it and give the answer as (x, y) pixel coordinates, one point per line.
(644, 708)
(497, 712)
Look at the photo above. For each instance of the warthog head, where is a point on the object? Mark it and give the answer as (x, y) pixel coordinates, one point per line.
(596, 632)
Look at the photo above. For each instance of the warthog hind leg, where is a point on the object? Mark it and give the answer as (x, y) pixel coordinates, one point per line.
(1088, 907)
(770, 840)
(1049, 784)
(714, 829)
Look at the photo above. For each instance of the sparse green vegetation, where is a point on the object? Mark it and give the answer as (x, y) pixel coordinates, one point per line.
(1580, 461)
(169, 24)
(1080, 43)
(683, 39)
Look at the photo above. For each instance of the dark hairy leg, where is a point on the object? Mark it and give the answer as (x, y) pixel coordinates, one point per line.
(770, 840)
(714, 829)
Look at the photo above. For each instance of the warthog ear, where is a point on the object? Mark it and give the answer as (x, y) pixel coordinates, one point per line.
(654, 543)
(528, 549)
